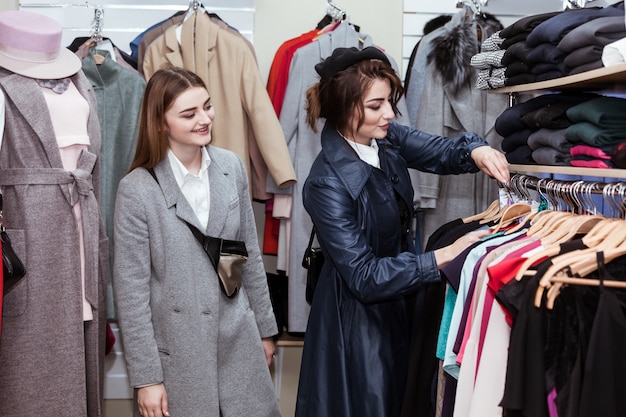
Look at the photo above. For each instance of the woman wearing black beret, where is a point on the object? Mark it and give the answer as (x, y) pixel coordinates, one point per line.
(359, 196)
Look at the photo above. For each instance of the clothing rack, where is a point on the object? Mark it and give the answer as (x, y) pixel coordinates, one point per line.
(574, 196)
(474, 5)
(96, 25)
(337, 13)
(130, 6)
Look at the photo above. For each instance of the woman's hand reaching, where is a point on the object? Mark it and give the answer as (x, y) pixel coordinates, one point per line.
(492, 163)
(448, 253)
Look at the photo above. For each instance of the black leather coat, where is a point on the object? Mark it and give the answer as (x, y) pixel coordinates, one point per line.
(356, 349)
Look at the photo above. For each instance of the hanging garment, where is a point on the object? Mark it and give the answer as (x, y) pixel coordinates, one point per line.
(223, 61)
(450, 105)
(119, 93)
(61, 354)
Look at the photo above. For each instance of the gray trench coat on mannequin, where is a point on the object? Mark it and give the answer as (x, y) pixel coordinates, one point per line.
(51, 361)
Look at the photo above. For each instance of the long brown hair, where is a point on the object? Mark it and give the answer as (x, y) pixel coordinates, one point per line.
(339, 98)
(161, 91)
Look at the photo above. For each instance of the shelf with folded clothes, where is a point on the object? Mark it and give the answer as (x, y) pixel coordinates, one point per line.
(613, 77)
(568, 170)
(571, 49)
(571, 132)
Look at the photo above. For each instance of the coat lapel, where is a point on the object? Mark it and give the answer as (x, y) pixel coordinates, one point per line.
(174, 197)
(221, 196)
(172, 50)
(26, 94)
(202, 47)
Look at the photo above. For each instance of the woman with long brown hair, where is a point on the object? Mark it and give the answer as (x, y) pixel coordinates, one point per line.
(196, 343)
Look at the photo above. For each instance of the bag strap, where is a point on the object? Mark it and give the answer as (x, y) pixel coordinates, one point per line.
(310, 246)
(205, 241)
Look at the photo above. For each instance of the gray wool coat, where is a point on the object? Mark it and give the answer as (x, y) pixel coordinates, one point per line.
(446, 112)
(51, 361)
(176, 324)
(119, 92)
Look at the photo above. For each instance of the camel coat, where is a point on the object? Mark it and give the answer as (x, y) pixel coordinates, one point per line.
(229, 69)
(51, 361)
(178, 327)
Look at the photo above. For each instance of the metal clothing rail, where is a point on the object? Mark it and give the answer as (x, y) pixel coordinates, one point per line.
(335, 12)
(574, 196)
(99, 5)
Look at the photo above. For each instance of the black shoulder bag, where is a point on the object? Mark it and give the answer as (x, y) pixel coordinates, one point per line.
(12, 267)
(227, 256)
(312, 261)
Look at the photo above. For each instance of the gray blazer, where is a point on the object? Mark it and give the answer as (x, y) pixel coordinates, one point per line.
(177, 326)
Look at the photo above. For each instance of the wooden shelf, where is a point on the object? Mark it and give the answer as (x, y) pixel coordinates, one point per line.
(587, 172)
(612, 77)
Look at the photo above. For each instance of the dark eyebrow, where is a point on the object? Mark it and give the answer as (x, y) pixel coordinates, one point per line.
(193, 108)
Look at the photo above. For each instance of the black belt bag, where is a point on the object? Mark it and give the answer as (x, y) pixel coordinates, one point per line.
(227, 256)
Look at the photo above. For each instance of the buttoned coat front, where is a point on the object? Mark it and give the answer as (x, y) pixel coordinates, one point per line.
(177, 326)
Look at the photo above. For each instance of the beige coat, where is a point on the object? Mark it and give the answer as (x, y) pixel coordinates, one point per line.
(228, 67)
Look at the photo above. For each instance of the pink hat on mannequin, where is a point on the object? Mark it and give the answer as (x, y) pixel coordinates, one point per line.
(30, 45)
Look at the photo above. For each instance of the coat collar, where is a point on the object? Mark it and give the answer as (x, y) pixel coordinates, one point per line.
(199, 37)
(220, 194)
(104, 74)
(350, 169)
(26, 94)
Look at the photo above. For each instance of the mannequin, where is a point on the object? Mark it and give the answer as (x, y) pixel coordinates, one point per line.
(53, 340)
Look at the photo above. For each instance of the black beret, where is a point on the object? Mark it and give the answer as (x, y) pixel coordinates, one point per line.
(342, 58)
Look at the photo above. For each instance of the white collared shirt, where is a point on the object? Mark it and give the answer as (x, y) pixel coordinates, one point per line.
(367, 153)
(195, 188)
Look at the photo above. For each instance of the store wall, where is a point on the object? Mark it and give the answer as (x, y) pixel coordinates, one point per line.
(278, 20)
(8, 4)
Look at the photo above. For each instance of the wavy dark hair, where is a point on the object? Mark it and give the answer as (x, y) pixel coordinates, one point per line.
(341, 97)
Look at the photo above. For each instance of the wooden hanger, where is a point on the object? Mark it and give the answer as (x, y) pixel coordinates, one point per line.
(613, 238)
(490, 211)
(568, 228)
(597, 233)
(582, 269)
(512, 213)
